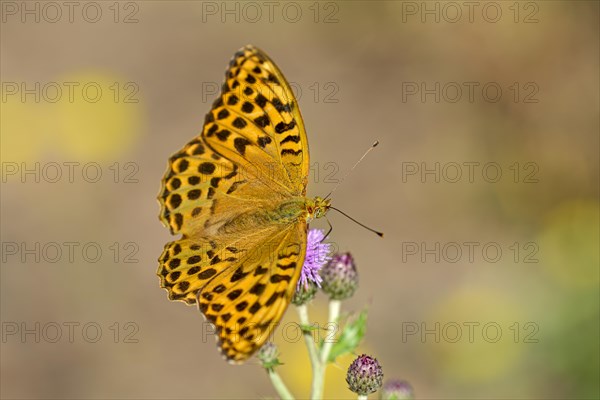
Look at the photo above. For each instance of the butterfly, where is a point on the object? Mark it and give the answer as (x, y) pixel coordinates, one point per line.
(237, 195)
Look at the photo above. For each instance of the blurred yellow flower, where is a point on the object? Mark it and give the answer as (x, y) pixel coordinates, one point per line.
(569, 244)
(100, 118)
(478, 338)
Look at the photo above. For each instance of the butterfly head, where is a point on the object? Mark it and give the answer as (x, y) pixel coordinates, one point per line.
(317, 207)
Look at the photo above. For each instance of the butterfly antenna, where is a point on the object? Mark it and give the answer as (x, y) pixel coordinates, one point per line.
(329, 231)
(352, 169)
(380, 234)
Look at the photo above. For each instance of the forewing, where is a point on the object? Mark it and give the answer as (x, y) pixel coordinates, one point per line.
(257, 106)
(252, 151)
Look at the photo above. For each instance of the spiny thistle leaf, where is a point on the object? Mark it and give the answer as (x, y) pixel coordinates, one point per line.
(351, 336)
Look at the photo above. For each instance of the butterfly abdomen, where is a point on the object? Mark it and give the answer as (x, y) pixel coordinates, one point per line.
(286, 213)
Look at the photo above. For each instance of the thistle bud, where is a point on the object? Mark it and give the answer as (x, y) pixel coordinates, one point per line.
(340, 278)
(364, 375)
(269, 356)
(305, 293)
(397, 390)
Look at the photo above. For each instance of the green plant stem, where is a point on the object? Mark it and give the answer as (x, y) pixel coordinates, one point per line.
(310, 345)
(334, 313)
(279, 386)
(319, 373)
(318, 360)
(316, 389)
(308, 337)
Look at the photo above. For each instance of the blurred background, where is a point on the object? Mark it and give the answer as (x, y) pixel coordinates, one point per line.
(485, 184)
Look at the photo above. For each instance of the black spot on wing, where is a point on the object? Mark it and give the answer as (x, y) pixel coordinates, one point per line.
(178, 220)
(258, 289)
(260, 271)
(194, 194)
(223, 135)
(272, 299)
(219, 288)
(239, 123)
(193, 260)
(255, 307)
(261, 100)
(237, 275)
(175, 201)
(210, 194)
(279, 106)
(283, 127)
(247, 107)
(183, 165)
(223, 114)
(177, 249)
(290, 138)
(262, 121)
(234, 294)
(288, 266)
(208, 273)
(175, 183)
(289, 151)
(273, 78)
(263, 141)
(206, 168)
(276, 278)
(198, 150)
(234, 186)
(240, 144)
(218, 103)
(241, 306)
(232, 100)
(211, 131)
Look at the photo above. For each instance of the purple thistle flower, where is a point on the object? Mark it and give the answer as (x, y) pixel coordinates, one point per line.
(317, 255)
